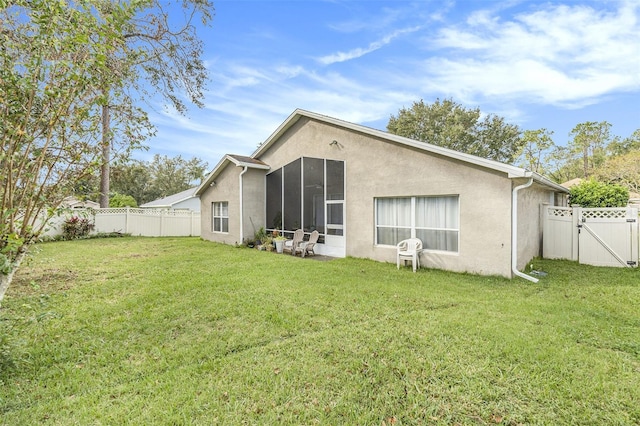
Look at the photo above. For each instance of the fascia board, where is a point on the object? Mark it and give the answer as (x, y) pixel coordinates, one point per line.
(221, 165)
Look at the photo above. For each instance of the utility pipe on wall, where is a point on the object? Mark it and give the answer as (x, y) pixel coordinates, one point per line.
(241, 208)
(514, 232)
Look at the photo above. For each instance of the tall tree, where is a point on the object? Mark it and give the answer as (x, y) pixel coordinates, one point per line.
(132, 178)
(537, 148)
(589, 142)
(160, 55)
(173, 175)
(623, 170)
(51, 56)
(620, 147)
(448, 124)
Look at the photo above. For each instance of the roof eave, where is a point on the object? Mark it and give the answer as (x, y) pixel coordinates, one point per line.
(220, 166)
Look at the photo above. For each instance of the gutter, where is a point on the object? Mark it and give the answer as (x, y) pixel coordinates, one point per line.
(514, 232)
(241, 208)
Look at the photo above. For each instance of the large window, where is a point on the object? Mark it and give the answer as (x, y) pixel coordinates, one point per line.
(220, 216)
(435, 220)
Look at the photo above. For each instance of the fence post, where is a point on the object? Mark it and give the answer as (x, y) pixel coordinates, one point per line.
(634, 219)
(575, 221)
(126, 220)
(542, 220)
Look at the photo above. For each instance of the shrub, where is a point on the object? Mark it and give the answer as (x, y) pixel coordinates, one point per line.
(121, 200)
(76, 227)
(592, 193)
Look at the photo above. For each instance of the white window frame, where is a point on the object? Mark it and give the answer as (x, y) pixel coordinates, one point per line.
(413, 226)
(220, 216)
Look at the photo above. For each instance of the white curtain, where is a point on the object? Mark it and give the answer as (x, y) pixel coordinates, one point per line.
(393, 220)
(437, 222)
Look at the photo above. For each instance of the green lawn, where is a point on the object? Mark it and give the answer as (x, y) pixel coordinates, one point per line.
(181, 331)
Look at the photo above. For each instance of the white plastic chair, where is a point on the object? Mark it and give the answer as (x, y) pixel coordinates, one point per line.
(409, 250)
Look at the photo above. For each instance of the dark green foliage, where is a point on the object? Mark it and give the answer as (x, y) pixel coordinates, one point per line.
(451, 125)
(592, 193)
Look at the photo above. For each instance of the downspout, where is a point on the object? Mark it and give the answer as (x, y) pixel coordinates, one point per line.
(514, 232)
(241, 208)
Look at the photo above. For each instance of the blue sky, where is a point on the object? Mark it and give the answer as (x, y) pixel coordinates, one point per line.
(549, 64)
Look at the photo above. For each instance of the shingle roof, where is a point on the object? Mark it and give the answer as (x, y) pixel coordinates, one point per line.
(172, 199)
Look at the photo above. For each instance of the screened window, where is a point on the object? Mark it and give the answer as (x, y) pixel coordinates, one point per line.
(220, 216)
(313, 198)
(435, 220)
(307, 194)
(292, 192)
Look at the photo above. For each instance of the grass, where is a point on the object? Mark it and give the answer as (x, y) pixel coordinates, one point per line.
(181, 331)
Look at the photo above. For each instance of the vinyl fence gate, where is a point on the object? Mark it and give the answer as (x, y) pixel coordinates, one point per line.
(600, 237)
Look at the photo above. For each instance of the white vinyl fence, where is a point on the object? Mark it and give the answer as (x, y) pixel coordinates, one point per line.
(148, 222)
(601, 237)
(138, 222)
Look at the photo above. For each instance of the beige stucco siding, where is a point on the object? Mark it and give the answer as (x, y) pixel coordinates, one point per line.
(226, 188)
(529, 234)
(254, 201)
(377, 168)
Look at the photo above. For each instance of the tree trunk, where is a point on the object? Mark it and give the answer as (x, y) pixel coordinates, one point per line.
(5, 280)
(106, 157)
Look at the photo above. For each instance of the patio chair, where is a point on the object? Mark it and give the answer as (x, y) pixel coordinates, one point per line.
(306, 247)
(292, 245)
(409, 250)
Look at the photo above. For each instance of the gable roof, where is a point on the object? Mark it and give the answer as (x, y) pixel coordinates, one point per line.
(253, 162)
(511, 171)
(171, 199)
(238, 161)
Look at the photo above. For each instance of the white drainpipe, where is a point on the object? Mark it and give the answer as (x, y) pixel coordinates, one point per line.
(514, 232)
(241, 209)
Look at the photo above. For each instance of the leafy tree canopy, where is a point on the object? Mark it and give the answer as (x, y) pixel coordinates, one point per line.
(61, 64)
(120, 200)
(448, 124)
(52, 56)
(623, 170)
(537, 150)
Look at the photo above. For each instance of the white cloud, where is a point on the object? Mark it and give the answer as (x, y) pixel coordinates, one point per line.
(560, 55)
(566, 56)
(361, 51)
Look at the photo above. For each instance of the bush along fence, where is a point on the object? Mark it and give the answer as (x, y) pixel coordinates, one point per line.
(126, 220)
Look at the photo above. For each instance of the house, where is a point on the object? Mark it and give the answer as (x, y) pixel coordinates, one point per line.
(364, 190)
(75, 203)
(185, 200)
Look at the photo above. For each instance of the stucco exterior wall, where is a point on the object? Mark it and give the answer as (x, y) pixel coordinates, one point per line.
(226, 189)
(377, 168)
(530, 201)
(254, 201)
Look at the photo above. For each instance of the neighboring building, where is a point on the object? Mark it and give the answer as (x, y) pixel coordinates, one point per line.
(185, 200)
(364, 190)
(74, 203)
